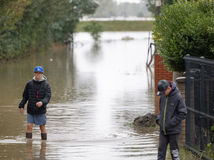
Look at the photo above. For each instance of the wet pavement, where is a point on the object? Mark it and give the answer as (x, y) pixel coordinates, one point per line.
(97, 91)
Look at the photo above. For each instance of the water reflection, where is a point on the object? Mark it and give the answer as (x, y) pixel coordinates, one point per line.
(150, 77)
(33, 155)
(97, 91)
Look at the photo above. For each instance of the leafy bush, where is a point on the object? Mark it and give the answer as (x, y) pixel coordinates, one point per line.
(211, 145)
(27, 25)
(185, 28)
(94, 29)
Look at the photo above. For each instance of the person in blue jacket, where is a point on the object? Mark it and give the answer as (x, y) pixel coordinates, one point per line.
(38, 93)
(172, 110)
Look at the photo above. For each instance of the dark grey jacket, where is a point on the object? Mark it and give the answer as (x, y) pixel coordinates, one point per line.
(34, 92)
(172, 112)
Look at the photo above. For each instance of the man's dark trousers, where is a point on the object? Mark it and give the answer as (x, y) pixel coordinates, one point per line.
(164, 140)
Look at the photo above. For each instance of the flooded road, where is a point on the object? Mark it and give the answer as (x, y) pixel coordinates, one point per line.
(97, 91)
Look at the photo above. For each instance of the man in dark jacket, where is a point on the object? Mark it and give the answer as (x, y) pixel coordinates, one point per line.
(172, 112)
(37, 92)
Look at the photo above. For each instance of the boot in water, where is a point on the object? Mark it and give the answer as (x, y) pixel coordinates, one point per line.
(44, 136)
(29, 135)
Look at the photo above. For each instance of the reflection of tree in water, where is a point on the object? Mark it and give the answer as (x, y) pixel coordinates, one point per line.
(69, 67)
(95, 48)
(95, 53)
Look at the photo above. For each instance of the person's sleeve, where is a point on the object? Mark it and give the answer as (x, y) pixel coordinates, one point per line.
(24, 97)
(158, 116)
(180, 113)
(47, 97)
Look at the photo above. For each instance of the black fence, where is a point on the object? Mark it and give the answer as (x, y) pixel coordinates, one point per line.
(200, 103)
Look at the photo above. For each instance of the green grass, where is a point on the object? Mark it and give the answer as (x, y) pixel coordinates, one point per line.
(119, 25)
(185, 154)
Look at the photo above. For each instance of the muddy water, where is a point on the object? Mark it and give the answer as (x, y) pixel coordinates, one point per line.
(97, 91)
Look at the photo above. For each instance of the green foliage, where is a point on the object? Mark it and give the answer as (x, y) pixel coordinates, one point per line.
(27, 25)
(94, 29)
(151, 6)
(185, 154)
(210, 146)
(11, 11)
(64, 26)
(185, 28)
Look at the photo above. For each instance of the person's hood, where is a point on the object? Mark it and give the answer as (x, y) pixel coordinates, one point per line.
(173, 85)
(44, 78)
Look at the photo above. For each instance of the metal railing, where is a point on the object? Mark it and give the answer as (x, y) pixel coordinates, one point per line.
(200, 103)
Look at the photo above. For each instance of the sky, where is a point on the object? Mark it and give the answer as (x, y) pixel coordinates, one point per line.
(131, 1)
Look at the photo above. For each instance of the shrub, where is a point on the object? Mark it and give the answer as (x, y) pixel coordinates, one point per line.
(185, 28)
(210, 145)
(94, 29)
(28, 25)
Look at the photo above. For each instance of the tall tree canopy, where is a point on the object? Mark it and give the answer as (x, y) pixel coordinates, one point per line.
(31, 24)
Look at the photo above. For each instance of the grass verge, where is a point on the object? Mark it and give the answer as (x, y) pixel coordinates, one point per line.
(119, 25)
(185, 154)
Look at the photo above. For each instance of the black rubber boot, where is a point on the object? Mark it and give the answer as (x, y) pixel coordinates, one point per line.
(44, 136)
(29, 135)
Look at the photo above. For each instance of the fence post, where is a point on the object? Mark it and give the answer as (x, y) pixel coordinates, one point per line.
(202, 107)
(181, 86)
(187, 99)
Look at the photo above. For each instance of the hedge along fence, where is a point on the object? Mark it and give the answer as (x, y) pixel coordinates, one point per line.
(185, 28)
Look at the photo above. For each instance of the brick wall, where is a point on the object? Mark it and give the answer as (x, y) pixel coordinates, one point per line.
(160, 73)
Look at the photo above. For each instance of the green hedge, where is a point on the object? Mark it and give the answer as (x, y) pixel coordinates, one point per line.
(185, 28)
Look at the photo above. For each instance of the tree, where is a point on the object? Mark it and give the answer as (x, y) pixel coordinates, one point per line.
(94, 29)
(28, 24)
(151, 6)
(11, 11)
(185, 28)
(64, 26)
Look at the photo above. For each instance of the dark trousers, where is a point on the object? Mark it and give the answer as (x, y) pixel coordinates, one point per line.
(164, 140)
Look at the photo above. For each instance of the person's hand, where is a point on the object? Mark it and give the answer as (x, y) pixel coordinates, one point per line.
(39, 104)
(21, 110)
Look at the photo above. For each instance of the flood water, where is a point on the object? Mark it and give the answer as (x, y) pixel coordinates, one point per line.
(97, 92)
